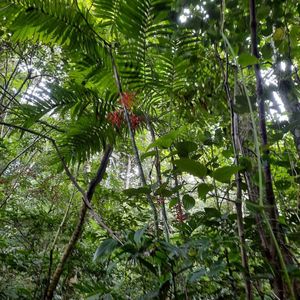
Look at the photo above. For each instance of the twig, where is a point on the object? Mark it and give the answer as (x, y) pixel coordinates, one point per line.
(71, 177)
(19, 155)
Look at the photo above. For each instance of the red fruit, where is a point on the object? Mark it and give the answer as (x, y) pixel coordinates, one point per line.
(116, 118)
(134, 121)
(180, 216)
(127, 100)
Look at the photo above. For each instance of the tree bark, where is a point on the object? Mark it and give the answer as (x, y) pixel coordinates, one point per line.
(159, 179)
(291, 103)
(238, 180)
(79, 227)
(134, 146)
(280, 286)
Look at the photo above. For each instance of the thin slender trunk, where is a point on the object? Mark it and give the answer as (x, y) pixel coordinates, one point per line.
(159, 179)
(179, 211)
(56, 238)
(127, 179)
(291, 103)
(238, 180)
(79, 227)
(67, 252)
(279, 251)
(134, 146)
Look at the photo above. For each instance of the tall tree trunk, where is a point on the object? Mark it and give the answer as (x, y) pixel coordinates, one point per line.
(128, 170)
(267, 247)
(238, 180)
(159, 179)
(134, 146)
(279, 255)
(79, 227)
(291, 103)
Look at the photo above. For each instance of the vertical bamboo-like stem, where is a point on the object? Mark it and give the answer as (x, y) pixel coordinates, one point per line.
(238, 180)
(109, 50)
(159, 178)
(179, 204)
(56, 238)
(134, 146)
(279, 250)
(127, 180)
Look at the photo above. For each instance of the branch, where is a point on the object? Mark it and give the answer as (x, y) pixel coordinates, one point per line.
(19, 155)
(134, 146)
(27, 130)
(93, 184)
(91, 28)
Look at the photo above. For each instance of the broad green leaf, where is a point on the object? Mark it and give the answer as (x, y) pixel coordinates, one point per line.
(267, 51)
(195, 276)
(188, 202)
(148, 154)
(212, 212)
(191, 166)
(138, 235)
(283, 184)
(138, 191)
(227, 153)
(246, 59)
(184, 148)
(294, 35)
(166, 140)
(246, 163)
(106, 247)
(224, 174)
(164, 192)
(173, 202)
(147, 264)
(203, 189)
(241, 105)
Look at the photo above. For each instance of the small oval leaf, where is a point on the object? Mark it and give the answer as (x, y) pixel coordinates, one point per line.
(188, 202)
(203, 189)
(246, 59)
(224, 174)
(191, 166)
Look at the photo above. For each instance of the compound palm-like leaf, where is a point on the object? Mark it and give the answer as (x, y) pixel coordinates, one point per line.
(151, 59)
(52, 22)
(83, 138)
(78, 115)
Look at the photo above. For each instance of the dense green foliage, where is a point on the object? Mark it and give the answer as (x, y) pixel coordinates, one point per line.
(185, 209)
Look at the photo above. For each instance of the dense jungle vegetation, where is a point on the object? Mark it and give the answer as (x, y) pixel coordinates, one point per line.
(149, 149)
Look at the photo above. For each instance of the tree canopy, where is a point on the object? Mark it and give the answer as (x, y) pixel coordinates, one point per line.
(149, 149)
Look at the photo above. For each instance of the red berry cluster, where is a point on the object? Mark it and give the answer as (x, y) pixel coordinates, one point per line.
(180, 216)
(127, 100)
(117, 117)
(134, 121)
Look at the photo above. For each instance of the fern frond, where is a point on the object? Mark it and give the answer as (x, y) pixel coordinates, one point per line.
(84, 138)
(52, 22)
(143, 29)
(72, 101)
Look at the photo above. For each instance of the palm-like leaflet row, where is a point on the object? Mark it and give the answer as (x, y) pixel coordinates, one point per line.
(151, 58)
